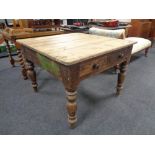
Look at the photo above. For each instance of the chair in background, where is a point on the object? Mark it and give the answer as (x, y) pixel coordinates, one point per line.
(141, 43)
(140, 28)
(119, 33)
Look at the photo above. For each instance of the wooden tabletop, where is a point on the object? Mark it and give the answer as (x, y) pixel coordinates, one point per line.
(73, 48)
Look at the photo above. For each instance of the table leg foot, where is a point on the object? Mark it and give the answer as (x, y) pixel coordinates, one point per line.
(12, 61)
(25, 78)
(31, 74)
(71, 108)
(121, 77)
(72, 125)
(35, 88)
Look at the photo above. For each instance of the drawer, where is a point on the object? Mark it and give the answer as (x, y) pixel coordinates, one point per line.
(93, 66)
(118, 56)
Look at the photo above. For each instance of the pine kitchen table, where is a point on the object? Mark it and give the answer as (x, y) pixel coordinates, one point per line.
(74, 57)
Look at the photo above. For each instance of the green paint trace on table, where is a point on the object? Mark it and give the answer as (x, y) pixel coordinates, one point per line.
(49, 65)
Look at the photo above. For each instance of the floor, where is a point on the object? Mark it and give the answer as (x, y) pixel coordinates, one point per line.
(99, 111)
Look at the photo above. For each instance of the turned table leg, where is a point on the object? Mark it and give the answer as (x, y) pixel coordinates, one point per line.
(70, 79)
(22, 64)
(31, 74)
(71, 108)
(121, 76)
(12, 61)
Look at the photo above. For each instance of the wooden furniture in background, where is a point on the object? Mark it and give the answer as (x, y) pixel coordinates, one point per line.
(10, 34)
(140, 28)
(74, 57)
(37, 24)
(20, 23)
(44, 23)
(22, 30)
(152, 33)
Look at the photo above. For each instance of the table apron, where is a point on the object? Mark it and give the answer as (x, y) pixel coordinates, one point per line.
(102, 63)
(86, 68)
(42, 61)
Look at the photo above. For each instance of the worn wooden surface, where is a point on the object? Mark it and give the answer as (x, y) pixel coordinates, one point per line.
(73, 48)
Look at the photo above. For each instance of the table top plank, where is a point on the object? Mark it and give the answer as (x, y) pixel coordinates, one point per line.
(65, 45)
(58, 39)
(73, 48)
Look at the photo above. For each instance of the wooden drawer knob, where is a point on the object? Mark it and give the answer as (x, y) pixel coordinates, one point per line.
(95, 66)
(121, 55)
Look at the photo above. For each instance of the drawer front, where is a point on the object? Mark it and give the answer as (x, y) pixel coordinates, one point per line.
(93, 66)
(118, 57)
(99, 64)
